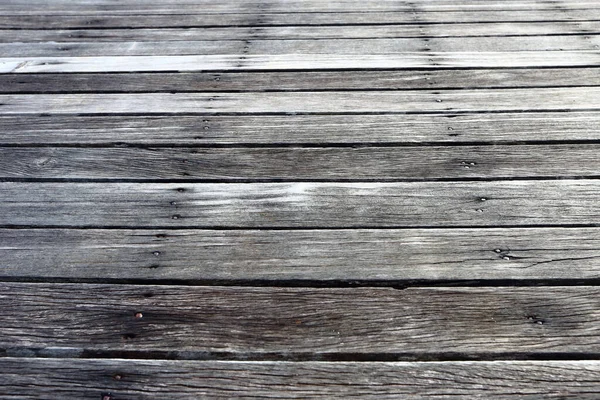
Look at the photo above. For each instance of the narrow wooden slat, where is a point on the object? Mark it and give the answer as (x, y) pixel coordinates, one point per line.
(537, 254)
(433, 322)
(196, 19)
(371, 163)
(303, 32)
(306, 47)
(544, 99)
(301, 129)
(148, 379)
(161, 7)
(301, 204)
(530, 59)
(290, 81)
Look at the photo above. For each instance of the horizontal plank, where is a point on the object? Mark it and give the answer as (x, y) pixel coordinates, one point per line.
(370, 163)
(302, 32)
(535, 254)
(530, 59)
(427, 322)
(146, 379)
(449, 101)
(195, 19)
(304, 47)
(290, 81)
(301, 129)
(301, 204)
(181, 7)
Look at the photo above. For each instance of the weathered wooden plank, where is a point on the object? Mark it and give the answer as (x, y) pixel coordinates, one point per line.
(530, 59)
(449, 101)
(305, 47)
(301, 204)
(293, 163)
(303, 32)
(195, 19)
(535, 254)
(147, 379)
(300, 129)
(290, 81)
(426, 322)
(217, 7)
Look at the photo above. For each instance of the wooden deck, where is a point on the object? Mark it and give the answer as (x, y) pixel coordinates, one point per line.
(299, 199)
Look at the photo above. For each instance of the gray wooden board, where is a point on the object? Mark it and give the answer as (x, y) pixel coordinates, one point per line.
(290, 81)
(301, 204)
(292, 163)
(26, 7)
(304, 32)
(536, 254)
(194, 320)
(306, 47)
(301, 129)
(432, 101)
(250, 62)
(218, 7)
(29, 379)
(196, 19)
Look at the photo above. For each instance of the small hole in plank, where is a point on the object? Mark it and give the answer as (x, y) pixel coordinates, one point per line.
(129, 336)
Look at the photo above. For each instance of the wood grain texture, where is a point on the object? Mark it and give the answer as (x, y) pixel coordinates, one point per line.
(354, 195)
(243, 49)
(392, 255)
(182, 7)
(301, 204)
(438, 322)
(290, 81)
(250, 62)
(297, 129)
(303, 32)
(431, 101)
(148, 379)
(196, 19)
(353, 164)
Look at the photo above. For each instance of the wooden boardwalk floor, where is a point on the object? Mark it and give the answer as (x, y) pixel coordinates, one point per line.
(299, 199)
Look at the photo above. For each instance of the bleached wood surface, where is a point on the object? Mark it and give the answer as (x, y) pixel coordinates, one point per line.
(299, 199)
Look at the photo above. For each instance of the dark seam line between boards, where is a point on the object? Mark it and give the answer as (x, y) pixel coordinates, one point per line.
(272, 25)
(294, 180)
(295, 145)
(134, 11)
(292, 228)
(258, 37)
(303, 90)
(397, 284)
(207, 355)
(450, 111)
(266, 71)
